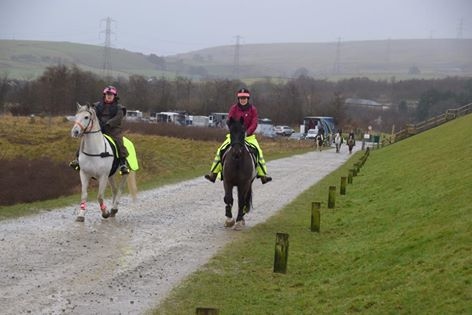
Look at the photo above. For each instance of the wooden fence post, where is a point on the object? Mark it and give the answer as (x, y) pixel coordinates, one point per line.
(349, 176)
(281, 253)
(331, 197)
(315, 216)
(206, 311)
(342, 190)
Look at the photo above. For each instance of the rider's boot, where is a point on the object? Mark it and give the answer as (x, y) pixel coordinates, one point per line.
(265, 179)
(75, 165)
(211, 176)
(123, 167)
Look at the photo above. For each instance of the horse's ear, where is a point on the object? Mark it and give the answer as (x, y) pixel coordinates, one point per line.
(78, 105)
(230, 121)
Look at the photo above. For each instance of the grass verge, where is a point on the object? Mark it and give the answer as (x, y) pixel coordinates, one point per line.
(399, 242)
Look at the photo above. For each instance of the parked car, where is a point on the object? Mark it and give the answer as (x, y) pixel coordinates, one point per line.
(311, 134)
(297, 136)
(283, 130)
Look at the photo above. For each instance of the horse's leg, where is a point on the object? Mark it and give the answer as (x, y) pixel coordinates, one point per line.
(243, 207)
(84, 179)
(118, 190)
(102, 185)
(228, 199)
(114, 192)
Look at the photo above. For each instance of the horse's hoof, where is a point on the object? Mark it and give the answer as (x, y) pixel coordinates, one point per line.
(113, 212)
(229, 222)
(80, 219)
(106, 214)
(239, 225)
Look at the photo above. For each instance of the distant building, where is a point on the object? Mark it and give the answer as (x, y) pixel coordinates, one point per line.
(364, 103)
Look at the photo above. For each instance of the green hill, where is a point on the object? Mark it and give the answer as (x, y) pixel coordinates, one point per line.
(399, 242)
(403, 59)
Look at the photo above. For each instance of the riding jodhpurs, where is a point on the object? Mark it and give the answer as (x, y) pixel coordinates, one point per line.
(261, 167)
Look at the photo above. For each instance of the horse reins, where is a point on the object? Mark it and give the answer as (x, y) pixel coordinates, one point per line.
(90, 124)
(84, 131)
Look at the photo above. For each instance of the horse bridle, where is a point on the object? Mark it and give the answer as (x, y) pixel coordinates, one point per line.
(87, 129)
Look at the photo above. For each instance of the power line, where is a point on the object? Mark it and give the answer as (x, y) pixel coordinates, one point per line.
(336, 65)
(460, 29)
(107, 68)
(236, 58)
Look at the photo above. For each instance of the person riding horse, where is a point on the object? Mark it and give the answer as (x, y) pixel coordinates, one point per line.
(249, 114)
(110, 114)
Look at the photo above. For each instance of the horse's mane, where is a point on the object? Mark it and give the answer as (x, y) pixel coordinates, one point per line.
(236, 127)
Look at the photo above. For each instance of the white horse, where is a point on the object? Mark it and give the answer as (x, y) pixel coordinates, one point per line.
(96, 160)
(338, 141)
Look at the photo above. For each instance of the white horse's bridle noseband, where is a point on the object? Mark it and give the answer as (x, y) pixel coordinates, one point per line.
(88, 128)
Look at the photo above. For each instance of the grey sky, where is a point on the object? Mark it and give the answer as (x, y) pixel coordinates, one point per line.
(167, 27)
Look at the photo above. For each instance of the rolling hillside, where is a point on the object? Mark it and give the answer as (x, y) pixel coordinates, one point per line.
(404, 59)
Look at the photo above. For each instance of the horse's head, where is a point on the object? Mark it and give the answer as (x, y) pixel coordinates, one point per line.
(237, 131)
(86, 121)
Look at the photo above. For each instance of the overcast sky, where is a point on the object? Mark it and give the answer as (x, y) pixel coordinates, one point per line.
(167, 27)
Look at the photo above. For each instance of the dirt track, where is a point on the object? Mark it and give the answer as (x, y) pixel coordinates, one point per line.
(50, 264)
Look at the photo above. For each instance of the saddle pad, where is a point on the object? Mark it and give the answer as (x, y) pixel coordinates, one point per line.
(132, 159)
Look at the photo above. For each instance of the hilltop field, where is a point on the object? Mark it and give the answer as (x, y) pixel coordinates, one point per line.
(381, 59)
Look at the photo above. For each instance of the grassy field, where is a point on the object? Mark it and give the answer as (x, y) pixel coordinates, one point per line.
(163, 159)
(399, 242)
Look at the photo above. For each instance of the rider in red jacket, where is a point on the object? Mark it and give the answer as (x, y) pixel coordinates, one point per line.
(249, 113)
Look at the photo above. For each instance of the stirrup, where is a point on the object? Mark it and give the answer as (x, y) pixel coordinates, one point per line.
(75, 165)
(124, 169)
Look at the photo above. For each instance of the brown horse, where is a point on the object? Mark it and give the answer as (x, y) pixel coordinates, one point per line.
(238, 171)
(351, 143)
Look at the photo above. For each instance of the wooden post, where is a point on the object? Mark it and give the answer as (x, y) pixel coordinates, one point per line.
(342, 190)
(206, 311)
(315, 216)
(357, 167)
(349, 176)
(331, 197)
(281, 253)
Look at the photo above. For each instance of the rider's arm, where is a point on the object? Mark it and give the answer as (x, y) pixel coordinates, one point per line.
(116, 120)
(253, 123)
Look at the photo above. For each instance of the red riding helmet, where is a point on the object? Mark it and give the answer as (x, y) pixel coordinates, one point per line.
(244, 93)
(110, 90)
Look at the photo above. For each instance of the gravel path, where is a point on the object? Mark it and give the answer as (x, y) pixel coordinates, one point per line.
(50, 264)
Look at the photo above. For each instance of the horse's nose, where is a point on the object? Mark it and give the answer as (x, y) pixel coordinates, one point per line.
(74, 133)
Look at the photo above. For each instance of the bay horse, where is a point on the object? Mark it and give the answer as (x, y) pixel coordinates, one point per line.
(98, 161)
(319, 141)
(238, 171)
(351, 143)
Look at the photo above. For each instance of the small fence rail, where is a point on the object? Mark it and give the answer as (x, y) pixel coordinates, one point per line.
(413, 129)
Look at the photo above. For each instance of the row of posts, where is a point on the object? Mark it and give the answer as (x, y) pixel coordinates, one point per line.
(281, 239)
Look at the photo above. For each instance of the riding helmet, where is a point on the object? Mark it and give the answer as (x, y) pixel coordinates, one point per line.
(244, 93)
(110, 90)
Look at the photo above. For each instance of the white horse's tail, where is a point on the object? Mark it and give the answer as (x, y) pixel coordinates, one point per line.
(132, 187)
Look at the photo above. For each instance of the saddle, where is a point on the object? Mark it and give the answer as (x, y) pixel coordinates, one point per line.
(251, 148)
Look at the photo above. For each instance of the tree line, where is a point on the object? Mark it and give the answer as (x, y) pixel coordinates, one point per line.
(60, 87)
